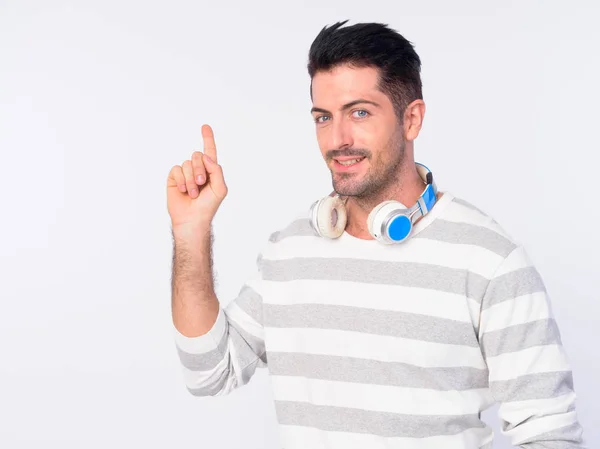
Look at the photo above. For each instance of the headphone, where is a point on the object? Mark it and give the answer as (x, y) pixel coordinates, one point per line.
(389, 222)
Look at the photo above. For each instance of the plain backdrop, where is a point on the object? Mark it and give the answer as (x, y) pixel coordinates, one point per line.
(98, 100)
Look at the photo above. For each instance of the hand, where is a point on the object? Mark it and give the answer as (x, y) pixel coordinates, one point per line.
(196, 188)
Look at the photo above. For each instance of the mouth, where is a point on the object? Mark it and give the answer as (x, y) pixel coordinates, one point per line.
(347, 163)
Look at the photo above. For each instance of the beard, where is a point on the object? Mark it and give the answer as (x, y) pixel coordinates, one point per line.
(380, 175)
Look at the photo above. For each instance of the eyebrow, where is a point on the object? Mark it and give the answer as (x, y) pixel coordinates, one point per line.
(346, 106)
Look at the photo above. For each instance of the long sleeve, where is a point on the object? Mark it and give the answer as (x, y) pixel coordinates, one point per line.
(529, 374)
(227, 356)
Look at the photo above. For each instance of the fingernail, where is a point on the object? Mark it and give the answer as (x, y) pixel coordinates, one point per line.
(200, 179)
(194, 192)
(182, 187)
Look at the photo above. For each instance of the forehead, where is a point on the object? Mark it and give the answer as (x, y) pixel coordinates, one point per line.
(343, 83)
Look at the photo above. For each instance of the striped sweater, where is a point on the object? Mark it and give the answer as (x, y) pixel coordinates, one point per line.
(402, 346)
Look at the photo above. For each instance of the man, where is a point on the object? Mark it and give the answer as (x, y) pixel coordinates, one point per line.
(380, 328)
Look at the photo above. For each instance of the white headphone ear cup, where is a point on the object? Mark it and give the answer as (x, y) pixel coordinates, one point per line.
(372, 219)
(331, 217)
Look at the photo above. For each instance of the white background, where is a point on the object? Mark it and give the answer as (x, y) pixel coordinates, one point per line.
(99, 99)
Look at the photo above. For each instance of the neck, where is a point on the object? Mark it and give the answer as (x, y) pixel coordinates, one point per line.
(407, 189)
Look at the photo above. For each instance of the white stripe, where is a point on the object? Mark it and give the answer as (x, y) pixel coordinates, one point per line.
(516, 260)
(372, 347)
(203, 343)
(235, 313)
(450, 255)
(539, 359)
(520, 310)
(236, 369)
(519, 411)
(531, 429)
(202, 379)
(380, 398)
(370, 296)
(297, 437)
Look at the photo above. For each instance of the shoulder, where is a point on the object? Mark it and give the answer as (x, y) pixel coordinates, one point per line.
(297, 225)
(463, 222)
(294, 236)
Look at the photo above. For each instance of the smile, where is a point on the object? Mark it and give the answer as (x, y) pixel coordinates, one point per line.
(348, 162)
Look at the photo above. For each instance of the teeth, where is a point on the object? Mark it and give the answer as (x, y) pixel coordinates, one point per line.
(353, 161)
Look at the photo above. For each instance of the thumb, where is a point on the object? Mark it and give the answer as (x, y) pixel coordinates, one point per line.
(215, 176)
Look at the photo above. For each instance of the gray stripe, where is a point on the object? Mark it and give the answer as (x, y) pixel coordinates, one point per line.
(521, 336)
(475, 286)
(523, 281)
(426, 276)
(468, 234)
(297, 228)
(247, 346)
(248, 371)
(442, 230)
(250, 302)
(216, 387)
(348, 369)
(385, 424)
(371, 321)
(212, 389)
(533, 386)
(465, 203)
(206, 361)
(567, 437)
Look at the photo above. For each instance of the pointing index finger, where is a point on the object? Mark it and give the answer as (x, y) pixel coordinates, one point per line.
(210, 148)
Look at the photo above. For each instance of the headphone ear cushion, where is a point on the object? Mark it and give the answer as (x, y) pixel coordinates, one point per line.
(331, 217)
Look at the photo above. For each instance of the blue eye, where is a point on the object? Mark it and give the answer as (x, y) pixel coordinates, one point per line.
(365, 113)
(318, 119)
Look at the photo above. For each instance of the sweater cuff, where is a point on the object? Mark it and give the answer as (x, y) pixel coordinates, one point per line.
(206, 342)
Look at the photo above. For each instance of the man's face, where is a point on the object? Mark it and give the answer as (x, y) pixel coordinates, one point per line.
(358, 132)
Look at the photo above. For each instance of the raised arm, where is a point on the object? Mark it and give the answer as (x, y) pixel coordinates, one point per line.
(219, 349)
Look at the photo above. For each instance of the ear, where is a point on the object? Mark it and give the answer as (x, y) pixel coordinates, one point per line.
(413, 119)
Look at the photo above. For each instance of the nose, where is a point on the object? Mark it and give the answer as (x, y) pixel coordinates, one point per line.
(341, 135)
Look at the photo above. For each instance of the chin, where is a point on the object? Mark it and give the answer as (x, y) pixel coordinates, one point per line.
(349, 187)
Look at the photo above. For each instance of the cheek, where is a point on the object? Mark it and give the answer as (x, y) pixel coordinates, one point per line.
(322, 141)
(381, 159)
(365, 136)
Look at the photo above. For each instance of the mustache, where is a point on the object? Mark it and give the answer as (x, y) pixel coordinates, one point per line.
(332, 154)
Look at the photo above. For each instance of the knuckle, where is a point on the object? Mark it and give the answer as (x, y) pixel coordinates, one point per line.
(177, 172)
(198, 162)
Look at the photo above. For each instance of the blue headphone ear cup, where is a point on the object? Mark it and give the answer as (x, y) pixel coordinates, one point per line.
(399, 228)
(375, 219)
(329, 217)
(388, 222)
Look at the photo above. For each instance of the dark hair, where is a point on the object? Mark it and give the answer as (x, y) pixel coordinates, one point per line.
(371, 45)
